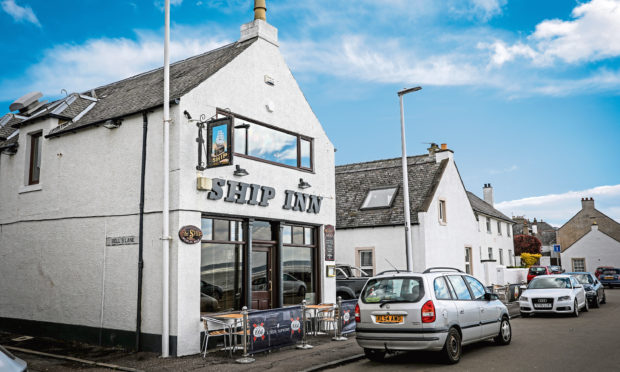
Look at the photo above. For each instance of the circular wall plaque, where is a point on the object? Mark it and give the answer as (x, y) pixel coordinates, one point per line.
(190, 234)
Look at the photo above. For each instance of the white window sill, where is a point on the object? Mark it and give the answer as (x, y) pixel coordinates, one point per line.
(30, 188)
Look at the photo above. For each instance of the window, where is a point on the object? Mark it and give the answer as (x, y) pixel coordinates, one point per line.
(476, 287)
(393, 289)
(501, 256)
(298, 264)
(499, 228)
(488, 225)
(379, 198)
(490, 253)
(468, 260)
(365, 260)
(35, 159)
(459, 286)
(508, 228)
(579, 264)
(441, 289)
(442, 211)
(265, 142)
(511, 258)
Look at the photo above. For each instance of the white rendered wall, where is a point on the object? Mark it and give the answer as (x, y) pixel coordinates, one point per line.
(388, 243)
(596, 247)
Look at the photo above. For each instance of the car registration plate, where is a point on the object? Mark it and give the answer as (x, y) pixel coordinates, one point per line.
(609, 277)
(389, 318)
(543, 306)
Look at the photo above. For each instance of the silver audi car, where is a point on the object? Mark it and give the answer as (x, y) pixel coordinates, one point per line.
(440, 309)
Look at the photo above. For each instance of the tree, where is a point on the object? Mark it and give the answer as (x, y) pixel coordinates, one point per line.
(527, 244)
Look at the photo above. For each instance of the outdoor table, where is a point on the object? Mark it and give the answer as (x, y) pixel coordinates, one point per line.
(234, 318)
(315, 309)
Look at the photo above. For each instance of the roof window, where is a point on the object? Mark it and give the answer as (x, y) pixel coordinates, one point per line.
(380, 198)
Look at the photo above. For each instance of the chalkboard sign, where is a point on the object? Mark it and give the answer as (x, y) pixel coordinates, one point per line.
(330, 252)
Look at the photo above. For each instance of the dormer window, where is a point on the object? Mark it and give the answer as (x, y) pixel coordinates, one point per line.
(380, 198)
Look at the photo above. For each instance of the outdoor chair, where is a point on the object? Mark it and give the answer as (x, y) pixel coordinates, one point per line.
(225, 332)
(327, 318)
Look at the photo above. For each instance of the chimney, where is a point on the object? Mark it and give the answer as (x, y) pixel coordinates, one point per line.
(587, 203)
(259, 27)
(487, 191)
(433, 149)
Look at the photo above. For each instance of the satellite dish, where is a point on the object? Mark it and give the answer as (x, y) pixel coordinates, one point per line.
(23, 102)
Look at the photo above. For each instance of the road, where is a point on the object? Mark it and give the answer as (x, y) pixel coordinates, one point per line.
(542, 343)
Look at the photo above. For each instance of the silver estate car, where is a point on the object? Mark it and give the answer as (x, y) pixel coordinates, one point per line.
(440, 309)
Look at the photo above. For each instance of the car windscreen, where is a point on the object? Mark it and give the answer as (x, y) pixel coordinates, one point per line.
(546, 283)
(393, 289)
(584, 278)
(537, 270)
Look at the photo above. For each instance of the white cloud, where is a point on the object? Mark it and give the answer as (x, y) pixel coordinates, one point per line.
(559, 208)
(592, 35)
(102, 61)
(512, 168)
(483, 9)
(20, 13)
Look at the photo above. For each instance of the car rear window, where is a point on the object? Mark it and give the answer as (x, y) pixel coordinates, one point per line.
(537, 270)
(393, 289)
(611, 271)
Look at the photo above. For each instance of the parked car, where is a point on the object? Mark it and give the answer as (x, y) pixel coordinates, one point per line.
(11, 363)
(610, 277)
(349, 281)
(212, 290)
(441, 309)
(537, 270)
(600, 269)
(553, 294)
(555, 269)
(595, 292)
(293, 286)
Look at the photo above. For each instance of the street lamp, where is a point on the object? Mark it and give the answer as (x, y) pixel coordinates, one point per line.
(406, 179)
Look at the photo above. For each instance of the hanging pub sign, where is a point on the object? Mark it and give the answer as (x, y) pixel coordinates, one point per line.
(330, 253)
(219, 142)
(190, 234)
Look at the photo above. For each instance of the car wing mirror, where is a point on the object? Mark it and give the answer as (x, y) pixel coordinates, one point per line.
(578, 286)
(490, 296)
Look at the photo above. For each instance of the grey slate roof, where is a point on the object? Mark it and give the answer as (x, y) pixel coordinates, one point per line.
(353, 181)
(480, 206)
(7, 129)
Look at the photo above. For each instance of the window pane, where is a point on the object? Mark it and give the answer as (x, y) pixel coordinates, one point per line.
(261, 230)
(298, 235)
(441, 289)
(308, 235)
(393, 289)
(305, 154)
(501, 257)
(462, 293)
(207, 229)
(220, 230)
(35, 160)
(490, 253)
(220, 277)
(236, 231)
(287, 234)
(379, 198)
(476, 287)
(366, 258)
(240, 136)
(269, 144)
(298, 283)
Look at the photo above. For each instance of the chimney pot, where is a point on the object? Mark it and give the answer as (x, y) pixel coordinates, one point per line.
(444, 146)
(260, 10)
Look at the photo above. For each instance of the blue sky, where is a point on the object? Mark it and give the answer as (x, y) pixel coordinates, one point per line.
(526, 93)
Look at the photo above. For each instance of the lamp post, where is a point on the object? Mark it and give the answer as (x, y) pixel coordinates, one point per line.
(409, 252)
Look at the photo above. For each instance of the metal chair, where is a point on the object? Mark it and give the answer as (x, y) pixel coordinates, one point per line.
(226, 331)
(327, 317)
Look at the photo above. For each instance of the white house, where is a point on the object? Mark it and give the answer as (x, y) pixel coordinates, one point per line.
(445, 230)
(72, 222)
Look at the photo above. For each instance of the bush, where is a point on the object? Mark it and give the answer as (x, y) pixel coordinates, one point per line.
(529, 259)
(527, 244)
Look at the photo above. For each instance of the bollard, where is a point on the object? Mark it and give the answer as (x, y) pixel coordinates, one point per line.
(304, 342)
(246, 357)
(338, 332)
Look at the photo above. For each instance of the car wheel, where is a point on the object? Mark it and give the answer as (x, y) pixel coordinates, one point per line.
(597, 302)
(505, 332)
(575, 309)
(375, 355)
(586, 306)
(452, 348)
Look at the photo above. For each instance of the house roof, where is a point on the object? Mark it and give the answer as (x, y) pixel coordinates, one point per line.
(140, 92)
(353, 181)
(581, 224)
(482, 207)
(6, 126)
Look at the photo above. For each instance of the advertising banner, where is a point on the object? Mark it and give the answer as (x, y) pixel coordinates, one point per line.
(275, 328)
(348, 316)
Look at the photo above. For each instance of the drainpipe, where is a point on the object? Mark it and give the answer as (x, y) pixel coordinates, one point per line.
(165, 332)
(145, 125)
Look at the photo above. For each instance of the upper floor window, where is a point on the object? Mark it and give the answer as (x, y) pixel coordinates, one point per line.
(490, 253)
(508, 228)
(34, 158)
(488, 225)
(442, 211)
(270, 144)
(499, 228)
(379, 198)
(501, 256)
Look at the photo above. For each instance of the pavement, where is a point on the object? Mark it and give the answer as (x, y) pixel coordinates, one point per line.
(52, 355)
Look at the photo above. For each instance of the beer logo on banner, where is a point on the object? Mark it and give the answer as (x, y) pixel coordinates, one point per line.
(258, 331)
(295, 325)
(346, 316)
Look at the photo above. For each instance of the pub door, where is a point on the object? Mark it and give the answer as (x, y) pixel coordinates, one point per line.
(262, 274)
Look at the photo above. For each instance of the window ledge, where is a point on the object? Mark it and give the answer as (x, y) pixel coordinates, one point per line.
(30, 188)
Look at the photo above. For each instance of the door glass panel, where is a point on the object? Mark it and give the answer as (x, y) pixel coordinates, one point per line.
(462, 293)
(260, 277)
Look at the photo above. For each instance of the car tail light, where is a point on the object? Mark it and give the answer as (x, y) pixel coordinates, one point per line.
(357, 313)
(428, 312)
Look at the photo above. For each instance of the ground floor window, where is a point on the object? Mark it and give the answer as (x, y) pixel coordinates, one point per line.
(298, 275)
(221, 270)
(468, 260)
(365, 260)
(501, 256)
(579, 264)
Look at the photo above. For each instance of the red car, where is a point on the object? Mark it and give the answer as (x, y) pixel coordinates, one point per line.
(600, 269)
(537, 270)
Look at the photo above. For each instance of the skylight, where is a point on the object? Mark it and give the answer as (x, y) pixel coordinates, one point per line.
(379, 198)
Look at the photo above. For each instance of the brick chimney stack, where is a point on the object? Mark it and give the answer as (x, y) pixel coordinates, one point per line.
(587, 203)
(487, 192)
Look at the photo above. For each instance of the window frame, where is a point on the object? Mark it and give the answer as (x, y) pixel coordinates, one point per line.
(298, 136)
(469, 263)
(490, 250)
(396, 189)
(442, 212)
(358, 259)
(501, 256)
(499, 228)
(575, 259)
(35, 141)
(489, 225)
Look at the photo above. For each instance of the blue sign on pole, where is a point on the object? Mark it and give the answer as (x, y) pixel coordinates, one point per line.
(556, 248)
